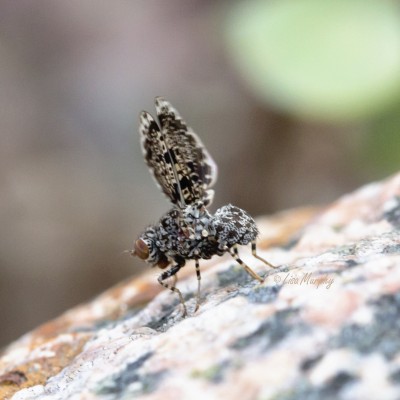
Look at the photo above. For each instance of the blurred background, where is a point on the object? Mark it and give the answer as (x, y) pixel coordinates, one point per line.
(298, 101)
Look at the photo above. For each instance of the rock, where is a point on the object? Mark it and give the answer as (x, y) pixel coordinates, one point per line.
(324, 325)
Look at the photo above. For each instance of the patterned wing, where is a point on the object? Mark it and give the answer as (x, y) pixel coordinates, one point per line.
(195, 168)
(178, 160)
(157, 157)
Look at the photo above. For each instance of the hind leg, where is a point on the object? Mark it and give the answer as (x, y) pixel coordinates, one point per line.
(167, 274)
(254, 252)
(174, 280)
(234, 253)
(198, 285)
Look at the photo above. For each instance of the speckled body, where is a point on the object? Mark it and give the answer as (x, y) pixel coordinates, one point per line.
(196, 234)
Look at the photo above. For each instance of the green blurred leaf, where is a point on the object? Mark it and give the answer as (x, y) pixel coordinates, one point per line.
(331, 59)
(381, 145)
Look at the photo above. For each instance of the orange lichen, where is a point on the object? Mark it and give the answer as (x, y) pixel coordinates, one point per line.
(37, 371)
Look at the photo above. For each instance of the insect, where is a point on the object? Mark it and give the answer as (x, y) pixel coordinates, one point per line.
(185, 171)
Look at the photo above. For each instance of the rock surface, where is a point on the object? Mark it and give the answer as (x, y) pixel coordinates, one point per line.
(325, 325)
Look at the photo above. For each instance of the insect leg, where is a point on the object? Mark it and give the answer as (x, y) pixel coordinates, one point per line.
(198, 285)
(254, 252)
(167, 274)
(175, 279)
(234, 253)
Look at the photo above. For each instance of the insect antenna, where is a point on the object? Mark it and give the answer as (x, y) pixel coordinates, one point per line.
(131, 252)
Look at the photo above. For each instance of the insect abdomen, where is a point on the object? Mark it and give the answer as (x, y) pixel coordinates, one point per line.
(234, 226)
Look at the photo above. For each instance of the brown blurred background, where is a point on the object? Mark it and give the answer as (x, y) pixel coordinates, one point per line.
(294, 109)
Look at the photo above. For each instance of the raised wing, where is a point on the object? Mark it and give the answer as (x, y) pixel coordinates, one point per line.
(157, 157)
(176, 156)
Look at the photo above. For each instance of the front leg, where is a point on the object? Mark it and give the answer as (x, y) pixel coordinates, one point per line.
(167, 274)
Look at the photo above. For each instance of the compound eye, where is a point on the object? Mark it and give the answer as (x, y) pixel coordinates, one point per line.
(141, 249)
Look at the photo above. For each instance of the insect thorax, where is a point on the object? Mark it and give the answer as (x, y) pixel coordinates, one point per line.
(194, 233)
